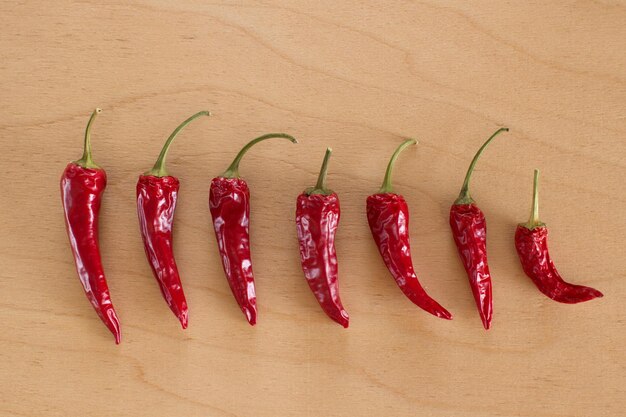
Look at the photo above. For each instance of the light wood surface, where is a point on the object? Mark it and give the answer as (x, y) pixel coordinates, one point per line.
(358, 76)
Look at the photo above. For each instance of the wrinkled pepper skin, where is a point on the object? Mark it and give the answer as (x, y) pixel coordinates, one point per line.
(469, 230)
(229, 202)
(81, 193)
(388, 217)
(157, 192)
(532, 249)
(156, 204)
(317, 219)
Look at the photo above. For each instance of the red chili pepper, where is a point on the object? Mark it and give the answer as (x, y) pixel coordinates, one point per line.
(157, 192)
(317, 218)
(82, 185)
(229, 201)
(531, 242)
(388, 217)
(470, 235)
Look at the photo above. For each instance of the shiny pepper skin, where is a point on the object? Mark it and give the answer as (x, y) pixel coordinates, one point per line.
(469, 230)
(82, 185)
(156, 204)
(229, 202)
(531, 242)
(317, 218)
(388, 217)
(532, 249)
(81, 192)
(157, 192)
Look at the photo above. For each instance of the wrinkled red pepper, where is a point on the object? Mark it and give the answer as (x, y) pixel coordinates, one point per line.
(229, 202)
(388, 217)
(317, 218)
(82, 185)
(470, 235)
(157, 192)
(531, 242)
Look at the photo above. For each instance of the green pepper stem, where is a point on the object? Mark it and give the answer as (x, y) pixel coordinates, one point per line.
(464, 195)
(233, 168)
(158, 170)
(387, 187)
(86, 161)
(320, 187)
(534, 221)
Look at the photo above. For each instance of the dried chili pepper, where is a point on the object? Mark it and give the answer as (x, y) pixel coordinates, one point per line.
(82, 185)
(388, 217)
(531, 242)
(470, 235)
(317, 218)
(229, 201)
(157, 192)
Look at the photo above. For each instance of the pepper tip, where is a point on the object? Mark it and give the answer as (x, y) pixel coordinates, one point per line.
(184, 319)
(250, 313)
(111, 321)
(595, 294)
(343, 319)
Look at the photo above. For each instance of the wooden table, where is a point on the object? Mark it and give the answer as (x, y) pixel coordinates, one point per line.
(358, 76)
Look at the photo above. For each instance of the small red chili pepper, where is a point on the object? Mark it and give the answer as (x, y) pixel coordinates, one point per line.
(317, 218)
(531, 242)
(229, 201)
(82, 185)
(157, 192)
(470, 235)
(388, 217)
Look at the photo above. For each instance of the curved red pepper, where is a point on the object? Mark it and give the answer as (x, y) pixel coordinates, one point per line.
(531, 242)
(82, 185)
(317, 218)
(156, 203)
(470, 235)
(229, 202)
(388, 218)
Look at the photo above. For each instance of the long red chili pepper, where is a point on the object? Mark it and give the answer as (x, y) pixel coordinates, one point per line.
(470, 235)
(317, 218)
(229, 201)
(82, 185)
(388, 217)
(531, 242)
(157, 192)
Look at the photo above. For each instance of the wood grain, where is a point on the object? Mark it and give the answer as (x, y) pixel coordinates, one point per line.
(358, 76)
